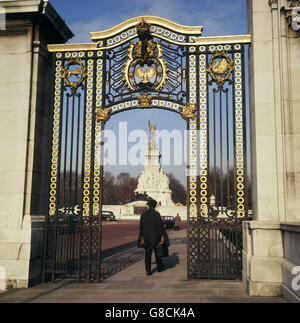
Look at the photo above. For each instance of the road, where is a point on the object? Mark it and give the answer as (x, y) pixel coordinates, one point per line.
(119, 249)
(119, 233)
(115, 234)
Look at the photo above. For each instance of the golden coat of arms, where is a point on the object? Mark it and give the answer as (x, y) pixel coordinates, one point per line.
(145, 68)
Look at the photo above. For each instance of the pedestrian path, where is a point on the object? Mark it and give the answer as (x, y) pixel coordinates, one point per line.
(131, 285)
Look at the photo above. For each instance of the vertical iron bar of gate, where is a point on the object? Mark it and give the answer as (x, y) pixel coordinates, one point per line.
(60, 147)
(92, 169)
(228, 173)
(221, 151)
(198, 149)
(208, 127)
(214, 130)
(203, 165)
(189, 229)
(209, 191)
(194, 175)
(76, 202)
(97, 134)
(66, 127)
(192, 159)
(70, 231)
(86, 241)
(227, 151)
(82, 181)
(102, 158)
(71, 153)
(244, 103)
(58, 177)
(188, 203)
(234, 144)
(50, 133)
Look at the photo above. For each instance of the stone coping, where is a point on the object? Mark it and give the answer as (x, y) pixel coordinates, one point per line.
(285, 226)
(39, 7)
(290, 226)
(262, 225)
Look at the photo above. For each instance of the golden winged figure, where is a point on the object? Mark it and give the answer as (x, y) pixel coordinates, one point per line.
(220, 67)
(151, 128)
(144, 74)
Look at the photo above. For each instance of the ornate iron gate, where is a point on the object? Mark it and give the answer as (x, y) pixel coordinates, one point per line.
(148, 62)
(220, 205)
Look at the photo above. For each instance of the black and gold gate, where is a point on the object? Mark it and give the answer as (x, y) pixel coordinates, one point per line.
(148, 62)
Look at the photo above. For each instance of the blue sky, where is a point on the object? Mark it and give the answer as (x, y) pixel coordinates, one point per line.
(218, 17)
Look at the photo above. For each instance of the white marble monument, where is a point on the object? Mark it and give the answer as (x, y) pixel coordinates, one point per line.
(155, 184)
(153, 181)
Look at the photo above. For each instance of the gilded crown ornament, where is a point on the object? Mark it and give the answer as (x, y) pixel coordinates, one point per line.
(143, 29)
(145, 100)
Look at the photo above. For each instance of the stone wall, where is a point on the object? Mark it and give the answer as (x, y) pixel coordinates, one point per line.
(291, 263)
(262, 258)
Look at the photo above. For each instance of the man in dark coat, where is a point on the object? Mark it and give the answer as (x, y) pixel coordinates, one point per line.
(151, 234)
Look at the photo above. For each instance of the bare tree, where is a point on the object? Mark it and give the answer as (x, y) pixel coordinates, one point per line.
(118, 190)
(178, 190)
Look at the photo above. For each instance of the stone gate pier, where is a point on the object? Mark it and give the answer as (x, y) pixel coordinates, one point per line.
(25, 66)
(272, 240)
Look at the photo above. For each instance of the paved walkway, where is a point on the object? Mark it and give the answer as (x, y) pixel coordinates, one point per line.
(127, 283)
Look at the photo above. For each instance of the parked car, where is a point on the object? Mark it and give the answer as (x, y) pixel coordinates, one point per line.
(108, 216)
(68, 218)
(168, 221)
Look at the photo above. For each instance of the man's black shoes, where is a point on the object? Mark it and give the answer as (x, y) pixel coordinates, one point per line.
(160, 269)
(148, 274)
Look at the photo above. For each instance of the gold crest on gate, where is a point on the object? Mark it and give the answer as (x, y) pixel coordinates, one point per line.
(74, 77)
(220, 67)
(145, 68)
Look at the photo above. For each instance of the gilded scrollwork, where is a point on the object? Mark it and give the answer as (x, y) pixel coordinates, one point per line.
(188, 111)
(102, 114)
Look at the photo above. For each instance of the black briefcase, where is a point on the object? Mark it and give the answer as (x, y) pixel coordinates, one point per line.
(162, 250)
(166, 251)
